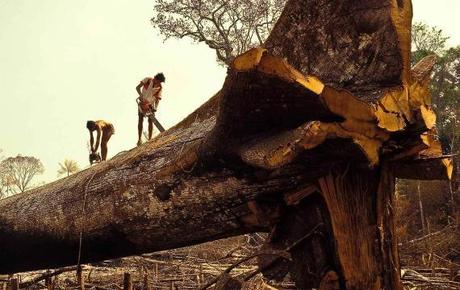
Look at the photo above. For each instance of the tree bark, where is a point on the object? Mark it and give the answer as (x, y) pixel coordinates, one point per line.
(129, 211)
(304, 140)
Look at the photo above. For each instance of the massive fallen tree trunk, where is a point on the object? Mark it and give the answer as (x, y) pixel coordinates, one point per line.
(304, 140)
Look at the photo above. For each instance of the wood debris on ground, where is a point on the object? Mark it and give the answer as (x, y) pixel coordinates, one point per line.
(193, 267)
(186, 268)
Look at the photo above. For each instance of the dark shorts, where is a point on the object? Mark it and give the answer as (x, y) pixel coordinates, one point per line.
(144, 114)
(109, 130)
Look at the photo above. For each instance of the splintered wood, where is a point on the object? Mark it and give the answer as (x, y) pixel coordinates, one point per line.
(369, 125)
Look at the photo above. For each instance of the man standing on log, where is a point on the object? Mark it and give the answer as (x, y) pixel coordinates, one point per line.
(149, 90)
(103, 128)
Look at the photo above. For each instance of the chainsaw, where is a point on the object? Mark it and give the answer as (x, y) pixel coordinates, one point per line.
(151, 115)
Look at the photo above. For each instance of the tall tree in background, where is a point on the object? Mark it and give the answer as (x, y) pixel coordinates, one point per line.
(20, 170)
(229, 27)
(68, 167)
(427, 39)
(446, 96)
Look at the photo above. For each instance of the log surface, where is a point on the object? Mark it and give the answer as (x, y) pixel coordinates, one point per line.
(332, 86)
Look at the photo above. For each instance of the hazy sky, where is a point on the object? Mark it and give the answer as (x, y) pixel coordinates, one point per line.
(64, 62)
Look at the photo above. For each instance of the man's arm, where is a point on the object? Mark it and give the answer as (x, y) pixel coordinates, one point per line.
(98, 139)
(138, 89)
(155, 107)
(91, 141)
(157, 96)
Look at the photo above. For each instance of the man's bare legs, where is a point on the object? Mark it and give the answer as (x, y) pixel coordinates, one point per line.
(104, 141)
(139, 129)
(150, 128)
(140, 124)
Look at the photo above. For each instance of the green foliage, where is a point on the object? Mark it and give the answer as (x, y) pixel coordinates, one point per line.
(428, 39)
(446, 96)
